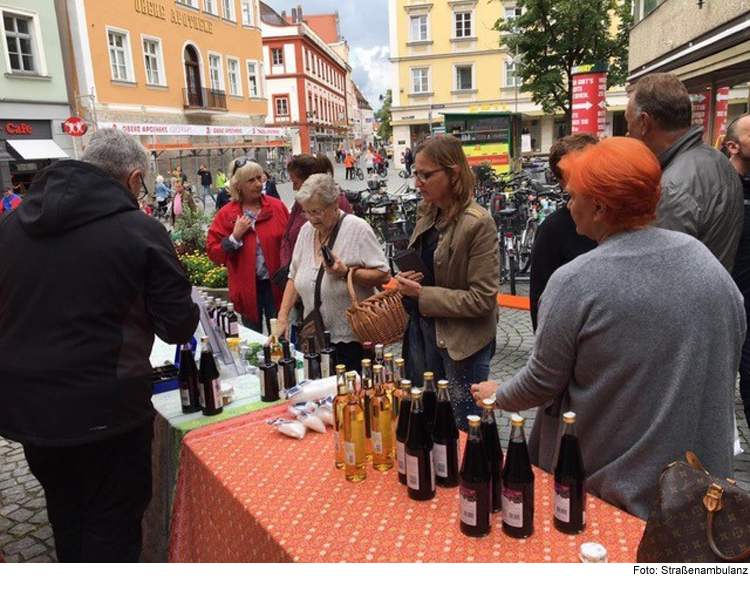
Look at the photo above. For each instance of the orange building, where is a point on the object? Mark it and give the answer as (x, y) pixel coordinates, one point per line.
(187, 76)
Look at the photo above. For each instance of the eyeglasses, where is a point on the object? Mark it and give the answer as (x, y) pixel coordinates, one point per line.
(315, 213)
(424, 176)
(239, 163)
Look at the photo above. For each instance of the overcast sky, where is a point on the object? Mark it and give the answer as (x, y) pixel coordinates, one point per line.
(364, 24)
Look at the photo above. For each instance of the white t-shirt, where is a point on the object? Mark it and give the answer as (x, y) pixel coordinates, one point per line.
(357, 246)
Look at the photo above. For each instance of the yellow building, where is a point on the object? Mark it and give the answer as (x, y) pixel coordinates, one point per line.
(185, 75)
(447, 58)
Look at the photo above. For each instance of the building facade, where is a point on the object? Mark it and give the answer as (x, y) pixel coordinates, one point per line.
(186, 76)
(446, 58)
(33, 90)
(306, 83)
(363, 127)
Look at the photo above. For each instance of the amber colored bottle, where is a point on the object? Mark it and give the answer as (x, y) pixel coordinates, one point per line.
(342, 397)
(355, 464)
(383, 448)
(445, 438)
(366, 395)
(570, 481)
(476, 483)
(277, 351)
(402, 429)
(398, 375)
(491, 440)
(420, 472)
(518, 484)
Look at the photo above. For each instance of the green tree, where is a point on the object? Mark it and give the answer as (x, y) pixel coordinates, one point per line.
(553, 36)
(383, 114)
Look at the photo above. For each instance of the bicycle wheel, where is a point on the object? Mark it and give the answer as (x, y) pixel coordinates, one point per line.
(527, 244)
(360, 174)
(402, 174)
(383, 172)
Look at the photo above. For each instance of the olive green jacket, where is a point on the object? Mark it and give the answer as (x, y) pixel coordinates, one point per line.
(464, 299)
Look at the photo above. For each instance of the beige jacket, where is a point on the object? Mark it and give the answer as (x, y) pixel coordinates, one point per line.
(464, 299)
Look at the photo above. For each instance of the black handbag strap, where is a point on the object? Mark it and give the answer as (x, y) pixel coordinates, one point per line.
(321, 271)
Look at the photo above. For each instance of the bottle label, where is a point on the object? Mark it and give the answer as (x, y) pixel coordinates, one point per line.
(202, 395)
(431, 465)
(468, 505)
(441, 460)
(349, 453)
(307, 369)
(412, 472)
(377, 442)
(562, 502)
(262, 384)
(185, 396)
(325, 365)
(216, 385)
(337, 442)
(400, 454)
(281, 379)
(513, 507)
(234, 328)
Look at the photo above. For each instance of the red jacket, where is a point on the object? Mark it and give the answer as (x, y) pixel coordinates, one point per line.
(240, 264)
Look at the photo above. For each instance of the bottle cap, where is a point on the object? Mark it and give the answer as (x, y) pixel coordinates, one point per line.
(443, 384)
(489, 402)
(569, 418)
(377, 368)
(406, 385)
(351, 375)
(400, 362)
(592, 552)
(428, 375)
(388, 356)
(474, 420)
(379, 347)
(366, 363)
(517, 420)
(416, 393)
(341, 367)
(230, 307)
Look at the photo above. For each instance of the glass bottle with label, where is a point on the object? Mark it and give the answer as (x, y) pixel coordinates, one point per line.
(288, 368)
(188, 379)
(381, 426)
(445, 438)
(491, 440)
(342, 397)
(215, 313)
(311, 360)
(389, 385)
(365, 398)
(269, 377)
(233, 323)
(277, 351)
(429, 398)
(355, 466)
(210, 307)
(518, 484)
(368, 350)
(476, 484)
(402, 429)
(221, 319)
(398, 375)
(328, 358)
(420, 473)
(208, 375)
(379, 354)
(570, 481)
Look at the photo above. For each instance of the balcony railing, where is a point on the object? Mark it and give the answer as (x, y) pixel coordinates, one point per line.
(204, 98)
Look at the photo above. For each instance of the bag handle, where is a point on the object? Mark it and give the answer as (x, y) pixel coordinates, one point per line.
(350, 285)
(712, 502)
(319, 279)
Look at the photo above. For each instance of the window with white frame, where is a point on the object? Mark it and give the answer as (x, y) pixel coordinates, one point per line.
(214, 72)
(511, 74)
(152, 56)
(512, 12)
(210, 7)
(118, 55)
(247, 12)
(464, 76)
(190, 3)
(19, 41)
(228, 6)
(282, 106)
(261, 79)
(233, 73)
(420, 80)
(252, 79)
(277, 56)
(462, 22)
(419, 28)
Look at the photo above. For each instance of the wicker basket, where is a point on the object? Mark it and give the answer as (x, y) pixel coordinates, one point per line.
(379, 319)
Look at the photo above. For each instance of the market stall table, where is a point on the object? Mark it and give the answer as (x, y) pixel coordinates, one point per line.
(246, 493)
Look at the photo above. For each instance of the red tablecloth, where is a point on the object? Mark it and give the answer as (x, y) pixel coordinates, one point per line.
(246, 493)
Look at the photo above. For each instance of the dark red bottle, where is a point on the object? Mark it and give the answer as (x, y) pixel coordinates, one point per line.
(570, 482)
(402, 429)
(445, 440)
(210, 392)
(476, 484)
(491, 441)
(518, 484)
(420, 474)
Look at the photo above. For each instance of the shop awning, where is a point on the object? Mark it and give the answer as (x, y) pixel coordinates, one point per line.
(36, 149)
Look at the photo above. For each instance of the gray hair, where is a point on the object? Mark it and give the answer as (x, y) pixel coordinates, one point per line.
(116, 153)
(321, 186)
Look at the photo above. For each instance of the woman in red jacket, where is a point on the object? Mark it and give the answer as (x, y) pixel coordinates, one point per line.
(246, 237)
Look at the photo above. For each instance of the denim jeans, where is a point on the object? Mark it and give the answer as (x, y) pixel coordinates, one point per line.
(206, 190)
(266, 306)
(424, 355)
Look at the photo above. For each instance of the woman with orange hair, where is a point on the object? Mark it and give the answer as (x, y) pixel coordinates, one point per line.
(640, 337)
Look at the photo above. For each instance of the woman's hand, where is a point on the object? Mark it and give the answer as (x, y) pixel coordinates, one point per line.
(241, 227)
(409, 283)
(339, 268)
(484, 390)
(282, 326)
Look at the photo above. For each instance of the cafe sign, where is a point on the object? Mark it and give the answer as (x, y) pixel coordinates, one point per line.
(179, 17)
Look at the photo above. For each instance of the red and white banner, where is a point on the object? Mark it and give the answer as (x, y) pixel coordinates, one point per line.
(192, 130)
(701, 105)
(589, 102)
(720, 114)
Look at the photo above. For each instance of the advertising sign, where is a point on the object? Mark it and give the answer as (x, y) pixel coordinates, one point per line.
(589, 99)
(200, 130)
(74, 126)
(496, 155)
(720, 115)
(701, 103)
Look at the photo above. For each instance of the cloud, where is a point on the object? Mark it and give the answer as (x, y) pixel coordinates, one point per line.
(371, 71)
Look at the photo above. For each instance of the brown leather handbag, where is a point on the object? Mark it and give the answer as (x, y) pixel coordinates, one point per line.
(696, 518)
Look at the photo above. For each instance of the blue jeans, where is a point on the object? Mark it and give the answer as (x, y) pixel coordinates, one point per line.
(424, 355)
(206, 190)
(266, 306)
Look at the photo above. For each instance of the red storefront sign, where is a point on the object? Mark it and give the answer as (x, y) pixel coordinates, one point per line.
(720, 115)
(74, 126)
(18, 128)
(589, 99)
(701, 104)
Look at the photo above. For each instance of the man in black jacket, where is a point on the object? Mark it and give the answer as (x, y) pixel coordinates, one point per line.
(206, 180)
(86, 280)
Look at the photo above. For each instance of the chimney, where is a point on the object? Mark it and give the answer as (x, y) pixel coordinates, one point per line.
(283, 15)
(299, 12)
(294, 15)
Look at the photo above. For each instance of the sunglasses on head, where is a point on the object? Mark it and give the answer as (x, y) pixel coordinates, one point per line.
(239, 163)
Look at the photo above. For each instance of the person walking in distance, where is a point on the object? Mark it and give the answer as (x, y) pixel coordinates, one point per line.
(206, 180)
(88, 280)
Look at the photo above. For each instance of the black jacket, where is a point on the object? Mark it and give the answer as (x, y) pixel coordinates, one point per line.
(271, 190)
(86, 279)
(206, 178)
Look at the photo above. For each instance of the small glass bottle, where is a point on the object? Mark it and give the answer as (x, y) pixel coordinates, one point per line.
(379, 354)
(365, 398)
(342, 397)
(381, 426)
(210, 307)
(420, 473)
(277, 351)
(570, 481)
(402, 429)
(188, 380)
(491, 440)
(312, 360)
(476, 483)
(269, 377)
(288, 367)
(328, 357)
(232, 323)
(518, 484)
(221, 319)
(210, 391)
(355, 466)
(445, 437)
(398, 375)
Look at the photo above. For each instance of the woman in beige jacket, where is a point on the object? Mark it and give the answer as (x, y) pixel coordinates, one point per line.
(452, 313)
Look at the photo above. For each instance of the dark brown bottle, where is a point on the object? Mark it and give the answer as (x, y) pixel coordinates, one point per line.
(188, 379)
(269, 377)
(210, 391)
(368, 350)
(491, 441)
(429, 398)
(570, 482)
(232, 322)
(287, 368)
(420, 474)
(328, 357)
(221, 319)
(311, 360)
(402, 429)
(518, 484)
(476, 484)
(445, 440)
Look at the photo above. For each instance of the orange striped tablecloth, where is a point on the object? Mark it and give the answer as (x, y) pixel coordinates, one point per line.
(248, 494)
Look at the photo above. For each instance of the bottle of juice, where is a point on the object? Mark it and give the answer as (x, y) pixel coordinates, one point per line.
(342, 397)
(491, 440)
(383, 448)
(365, 399)
(210, 385)
(277, 351)
(402, 429)
(420, 474)
(476, 483)
(518, 484)
(445, 437)
(269, 377)
(355, 466)
(429, 398)
(570, 481)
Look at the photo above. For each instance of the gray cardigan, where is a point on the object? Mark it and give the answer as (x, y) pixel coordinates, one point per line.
(645, 333)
